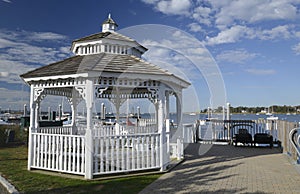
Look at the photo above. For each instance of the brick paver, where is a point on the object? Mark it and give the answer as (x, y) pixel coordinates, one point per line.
(228, 169)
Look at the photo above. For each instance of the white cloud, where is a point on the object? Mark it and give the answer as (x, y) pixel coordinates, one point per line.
(22, 51)
(253, 11)
(238, 32)
(10, 71)
(150, 1)
(42, 36)
(261, 71)
(296, 49)
(171, 7)
(4, 74)
(231, 18)
(281, 32)
(230, 35)
(194, 27)
(202, 15)
(7, 1)
(4, 43)
(297, 34)
(236, 56)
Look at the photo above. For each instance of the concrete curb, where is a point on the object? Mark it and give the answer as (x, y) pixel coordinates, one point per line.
(6, 187)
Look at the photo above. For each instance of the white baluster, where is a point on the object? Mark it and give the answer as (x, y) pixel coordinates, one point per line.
(101, 155)
(78, 154)
(112, 154)
(117, 154)
(123, 153)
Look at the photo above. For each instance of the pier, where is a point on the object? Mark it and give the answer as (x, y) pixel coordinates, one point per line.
(217, 166)
(211, 168)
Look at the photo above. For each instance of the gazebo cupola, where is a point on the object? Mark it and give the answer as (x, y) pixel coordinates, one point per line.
(106, 66)
(109, 25)
(107, 41)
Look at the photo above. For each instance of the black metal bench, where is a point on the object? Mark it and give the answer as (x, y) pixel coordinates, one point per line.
(243, 137)
(263, 138)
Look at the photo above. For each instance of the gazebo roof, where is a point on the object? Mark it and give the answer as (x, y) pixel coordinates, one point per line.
(107, 35)
(105, 54)
(101, 35)
(101, 63)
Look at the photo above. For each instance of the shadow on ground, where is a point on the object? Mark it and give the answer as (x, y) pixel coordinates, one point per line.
(185, 178)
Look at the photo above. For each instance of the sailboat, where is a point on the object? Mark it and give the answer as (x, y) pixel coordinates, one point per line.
(270, 115)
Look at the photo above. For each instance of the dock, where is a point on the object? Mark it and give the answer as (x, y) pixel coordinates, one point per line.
(210, 168)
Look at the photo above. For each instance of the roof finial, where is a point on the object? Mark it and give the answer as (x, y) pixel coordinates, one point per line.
(109, 17)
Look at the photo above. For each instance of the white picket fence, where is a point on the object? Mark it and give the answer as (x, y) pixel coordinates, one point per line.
(114, 149)
(56, 152)
(124, 153)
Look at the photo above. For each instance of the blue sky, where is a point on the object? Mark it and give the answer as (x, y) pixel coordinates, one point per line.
(255, 44)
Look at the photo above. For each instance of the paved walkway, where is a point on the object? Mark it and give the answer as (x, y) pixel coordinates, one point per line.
(228, 169)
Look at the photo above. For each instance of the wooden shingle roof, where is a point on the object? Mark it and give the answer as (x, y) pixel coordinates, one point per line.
(103, 62)
(108, 35)
(101, 35)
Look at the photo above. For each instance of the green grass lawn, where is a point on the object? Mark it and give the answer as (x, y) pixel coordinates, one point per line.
(13, 166)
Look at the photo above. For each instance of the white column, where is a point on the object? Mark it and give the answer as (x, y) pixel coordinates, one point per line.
(178, 108)
(167, 105)
(89, 147)
(167, 121)
(162, 129)
(31, 127)
(74, 111)
(37, 113)
(179, 133)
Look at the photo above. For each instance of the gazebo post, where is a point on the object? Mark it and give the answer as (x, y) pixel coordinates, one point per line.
(167, 123)
(180, 129)
(178, 108)
(89, 147)
(73, 124)
(31, 127)
(37, 113)
(167, 105)
(73, 102)
(162, 128)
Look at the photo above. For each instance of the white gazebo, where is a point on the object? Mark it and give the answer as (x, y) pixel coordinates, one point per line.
(106, 65)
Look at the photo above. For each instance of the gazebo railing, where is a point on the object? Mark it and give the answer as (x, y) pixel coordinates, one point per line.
(147, 122)
(125, 153)
(65, 130)
(115, 149)
(56, 152)
(109, 130)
